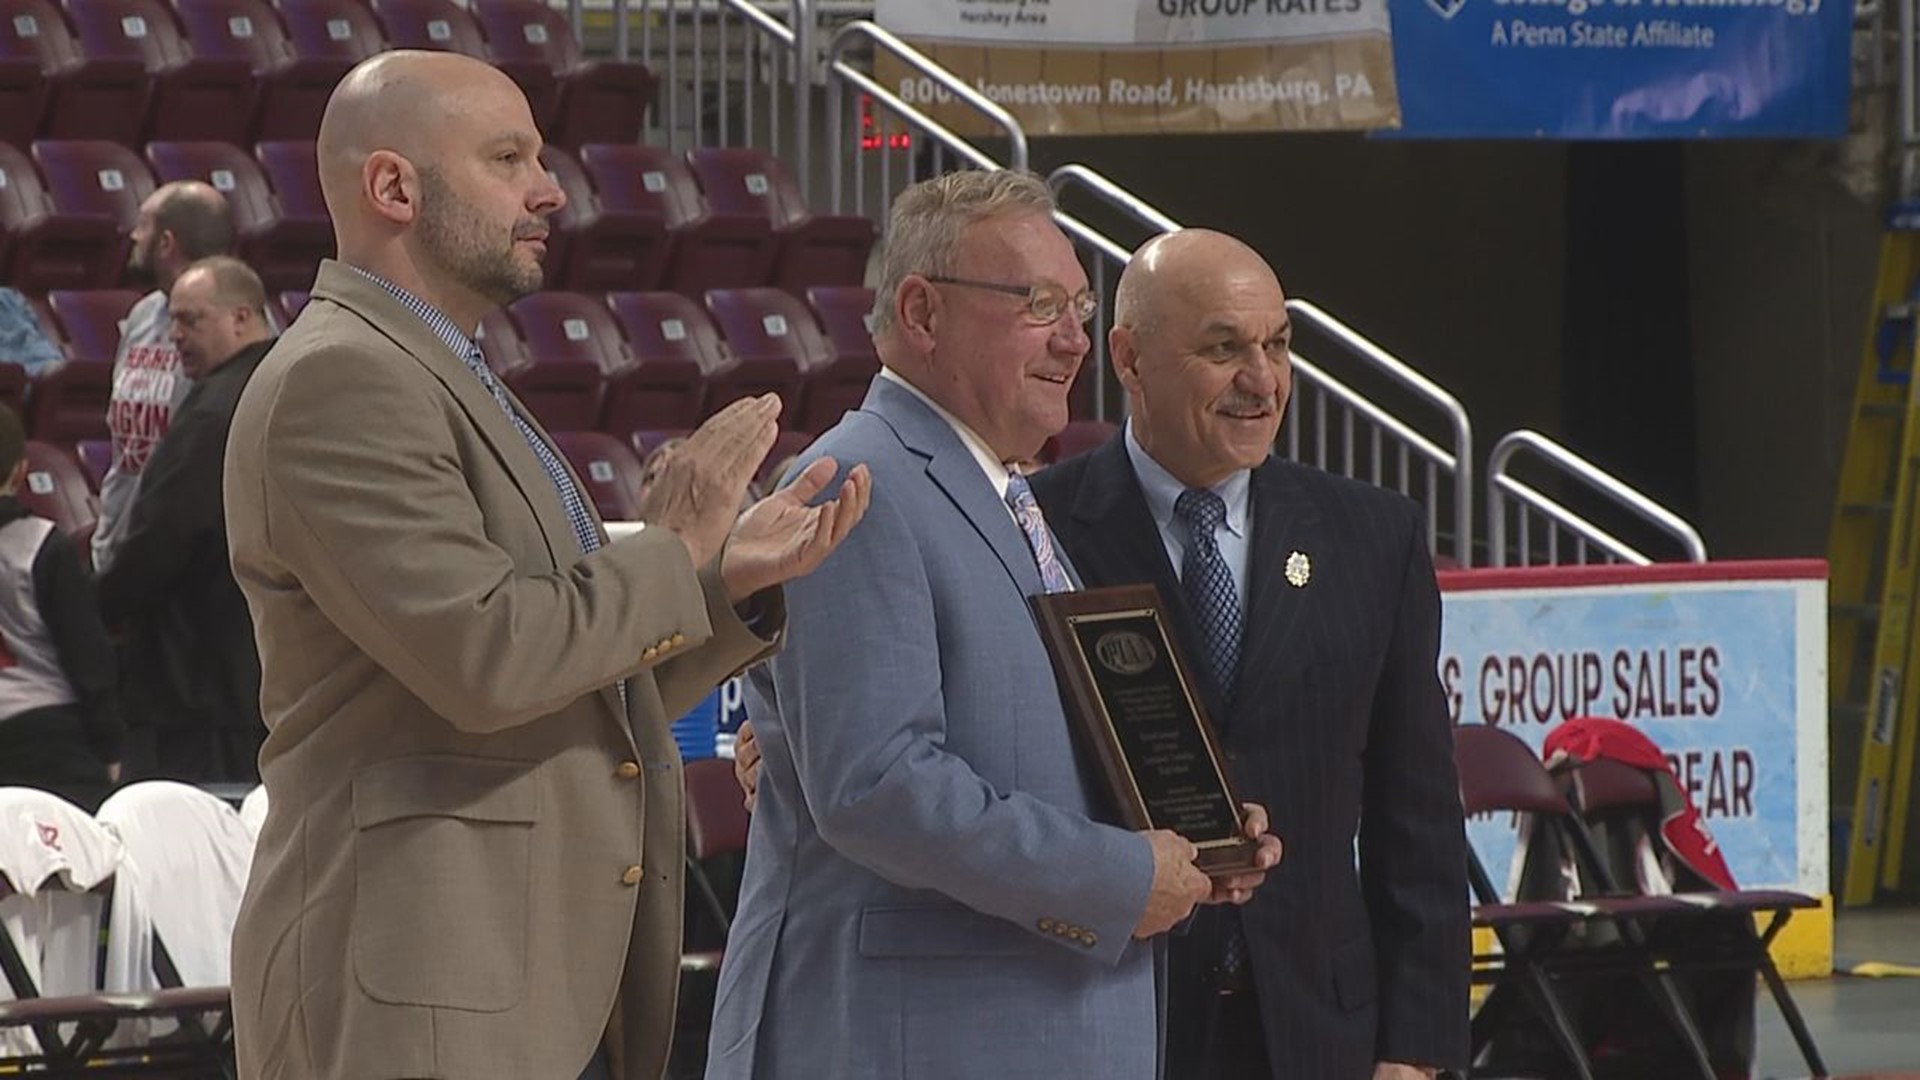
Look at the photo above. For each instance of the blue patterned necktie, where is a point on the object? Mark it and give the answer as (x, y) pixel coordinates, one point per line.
(1216, 607)
(1209, 586)
(1026, 510)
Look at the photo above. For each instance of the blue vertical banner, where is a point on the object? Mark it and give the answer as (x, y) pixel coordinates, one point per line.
(1622, 69)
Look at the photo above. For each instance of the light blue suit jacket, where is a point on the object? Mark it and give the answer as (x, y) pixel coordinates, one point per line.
(927, 893)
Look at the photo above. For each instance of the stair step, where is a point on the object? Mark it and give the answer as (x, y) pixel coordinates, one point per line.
(1883, 508)
(1882, 408)
(1863, 612)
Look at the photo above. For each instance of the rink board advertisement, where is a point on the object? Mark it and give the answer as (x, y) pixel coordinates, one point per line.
(1726, 675)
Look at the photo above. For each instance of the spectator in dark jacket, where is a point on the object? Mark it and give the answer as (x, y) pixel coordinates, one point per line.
(192, 672)
(59, 730)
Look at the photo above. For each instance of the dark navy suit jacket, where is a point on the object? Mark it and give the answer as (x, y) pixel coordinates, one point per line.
(1340, 729)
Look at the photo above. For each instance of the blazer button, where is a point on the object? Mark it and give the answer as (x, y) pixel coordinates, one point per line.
(649, 653)
(627, 770)
(678, 640)
(1046, 926)
(632, 876)
(1088, 939)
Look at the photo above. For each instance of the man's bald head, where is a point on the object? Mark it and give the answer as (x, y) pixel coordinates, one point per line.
(180, 223)
(405, 101)
(1200, 341)
(430, 165)
(1188, 266)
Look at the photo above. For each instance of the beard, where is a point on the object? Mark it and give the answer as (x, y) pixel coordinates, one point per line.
(461, 245)
(140, 270)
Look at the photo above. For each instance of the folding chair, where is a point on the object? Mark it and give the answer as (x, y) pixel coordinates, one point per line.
(74, 1003)
(193, 852)
(1701, 928)
(1548, 943)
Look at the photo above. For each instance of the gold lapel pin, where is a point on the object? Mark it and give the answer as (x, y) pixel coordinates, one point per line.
(1299, 569)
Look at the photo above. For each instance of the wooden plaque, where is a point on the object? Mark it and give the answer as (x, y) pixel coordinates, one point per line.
(1129, 695)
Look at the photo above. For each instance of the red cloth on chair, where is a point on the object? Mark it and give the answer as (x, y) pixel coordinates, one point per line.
(1592, 737)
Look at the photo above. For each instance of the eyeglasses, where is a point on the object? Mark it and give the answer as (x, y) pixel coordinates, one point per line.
(1046, 302)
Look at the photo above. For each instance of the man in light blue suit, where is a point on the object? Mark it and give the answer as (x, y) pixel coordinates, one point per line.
(930, 891)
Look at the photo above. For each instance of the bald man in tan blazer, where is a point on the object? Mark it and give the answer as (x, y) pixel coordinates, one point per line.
(471, 862)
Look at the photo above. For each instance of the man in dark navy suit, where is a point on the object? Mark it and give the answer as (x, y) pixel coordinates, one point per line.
(1308, 604)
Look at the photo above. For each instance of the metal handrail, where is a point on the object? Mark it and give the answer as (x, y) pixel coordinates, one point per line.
(1421, 386)
(1359, 403)
(882, 39)
(1500, 484)
(1585, 531)
(803, 95)
(866, 84)
(1080, 230)
(1134, 206)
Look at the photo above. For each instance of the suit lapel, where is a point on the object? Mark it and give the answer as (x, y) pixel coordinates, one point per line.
(1285, 520)
(1121, 545)
(954, 470)
(345, 286)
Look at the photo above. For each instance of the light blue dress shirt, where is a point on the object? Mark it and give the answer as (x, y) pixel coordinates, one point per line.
(1162, 489)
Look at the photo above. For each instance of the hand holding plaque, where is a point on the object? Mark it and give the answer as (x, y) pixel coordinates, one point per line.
(1128, 692)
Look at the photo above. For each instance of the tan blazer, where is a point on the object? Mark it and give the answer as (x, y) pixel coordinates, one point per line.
(470, 855)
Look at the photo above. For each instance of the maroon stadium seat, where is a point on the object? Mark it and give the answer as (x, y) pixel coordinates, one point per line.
(338, 31)
(778, 344)
(69, 403)
(56, 488)
(92, 176)
(23, 95)
(34, 41)
(815, 249)
(90, 321)
(284, 252)
(675, 350)
(194, 97)
(96, 457)
(500, 343)
(572, 344)
(595, 248)
(845, 313)
(71, 95)
(294, 170)
(709, 252)
(440, 25)
(608, 467)
(293, 88)
(445, 26)
(43, 248)
(598, 101)
(772, 321)
(96, 178)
